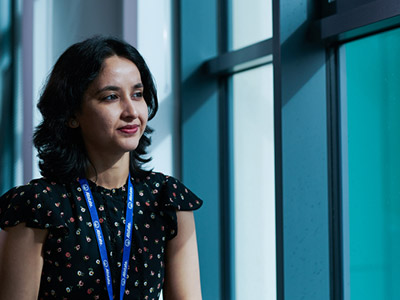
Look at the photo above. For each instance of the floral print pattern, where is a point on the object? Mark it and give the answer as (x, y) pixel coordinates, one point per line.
(72, 267)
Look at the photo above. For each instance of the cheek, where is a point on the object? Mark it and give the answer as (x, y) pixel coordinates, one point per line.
(144, 113)
(97, 120)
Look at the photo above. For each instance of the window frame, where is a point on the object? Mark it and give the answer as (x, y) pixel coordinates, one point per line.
(335, 30)
(222, 67)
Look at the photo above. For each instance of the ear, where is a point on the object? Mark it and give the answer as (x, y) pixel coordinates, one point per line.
(73, 123)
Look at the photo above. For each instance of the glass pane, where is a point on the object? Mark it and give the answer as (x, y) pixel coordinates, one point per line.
(7, 101)
(251, 22)
(373, 110)
(254, 184)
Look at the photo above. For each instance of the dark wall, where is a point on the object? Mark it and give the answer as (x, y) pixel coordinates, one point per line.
(304, 155)
(345, 5)
(200, 134)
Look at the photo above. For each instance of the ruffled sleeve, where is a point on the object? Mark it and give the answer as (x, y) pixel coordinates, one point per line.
(176, 196)
(179, 196)
(30, 204)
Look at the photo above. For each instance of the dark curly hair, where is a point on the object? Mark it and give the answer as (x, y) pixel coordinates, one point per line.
(60, 148)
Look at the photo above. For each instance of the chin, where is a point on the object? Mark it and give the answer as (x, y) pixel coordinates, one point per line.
(131, 147)
(128, 146)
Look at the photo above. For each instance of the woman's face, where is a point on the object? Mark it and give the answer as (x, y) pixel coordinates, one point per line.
(114, 113)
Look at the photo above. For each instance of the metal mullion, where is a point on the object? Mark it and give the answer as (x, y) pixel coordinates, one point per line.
(361, 21)
(279, 232)
(334, 174)
(177, 79)
(226, 165)
(242, 59)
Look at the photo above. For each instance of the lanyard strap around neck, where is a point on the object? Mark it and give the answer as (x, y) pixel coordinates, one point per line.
(100, 237)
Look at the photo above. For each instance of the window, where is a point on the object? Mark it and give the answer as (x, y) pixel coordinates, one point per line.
(246, 30)
(252, 175)
(228, 138)
(254, 183)
(372, 139)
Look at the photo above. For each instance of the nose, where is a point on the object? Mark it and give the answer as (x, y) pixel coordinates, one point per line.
(129, 109)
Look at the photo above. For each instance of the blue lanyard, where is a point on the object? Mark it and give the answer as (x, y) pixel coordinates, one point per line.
(100, 238)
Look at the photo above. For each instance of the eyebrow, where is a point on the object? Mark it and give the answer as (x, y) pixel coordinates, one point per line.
(115, 88)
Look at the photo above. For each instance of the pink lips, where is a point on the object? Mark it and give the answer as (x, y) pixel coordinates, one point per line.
(129, 129)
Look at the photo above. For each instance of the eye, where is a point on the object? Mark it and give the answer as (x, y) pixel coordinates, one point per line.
(138, 94)
(110, 97)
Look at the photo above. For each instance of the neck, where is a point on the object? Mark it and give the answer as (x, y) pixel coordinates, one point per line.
(109, 173)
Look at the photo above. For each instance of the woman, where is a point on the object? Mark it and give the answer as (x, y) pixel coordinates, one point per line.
(97, 225)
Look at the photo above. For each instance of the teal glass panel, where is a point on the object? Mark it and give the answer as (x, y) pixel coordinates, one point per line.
(373, 117)
(7, 103)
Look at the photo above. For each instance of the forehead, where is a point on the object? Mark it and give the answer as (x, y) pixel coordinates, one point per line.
(118, 68)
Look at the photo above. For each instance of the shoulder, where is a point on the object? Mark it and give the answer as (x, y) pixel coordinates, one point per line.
(23, 194)
(152, 178)
(33, 188)
(158, 179)
(172, 192)
(33, 203)
(167, 195)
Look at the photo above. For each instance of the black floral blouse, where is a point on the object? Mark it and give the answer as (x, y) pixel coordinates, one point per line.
(72, 267)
